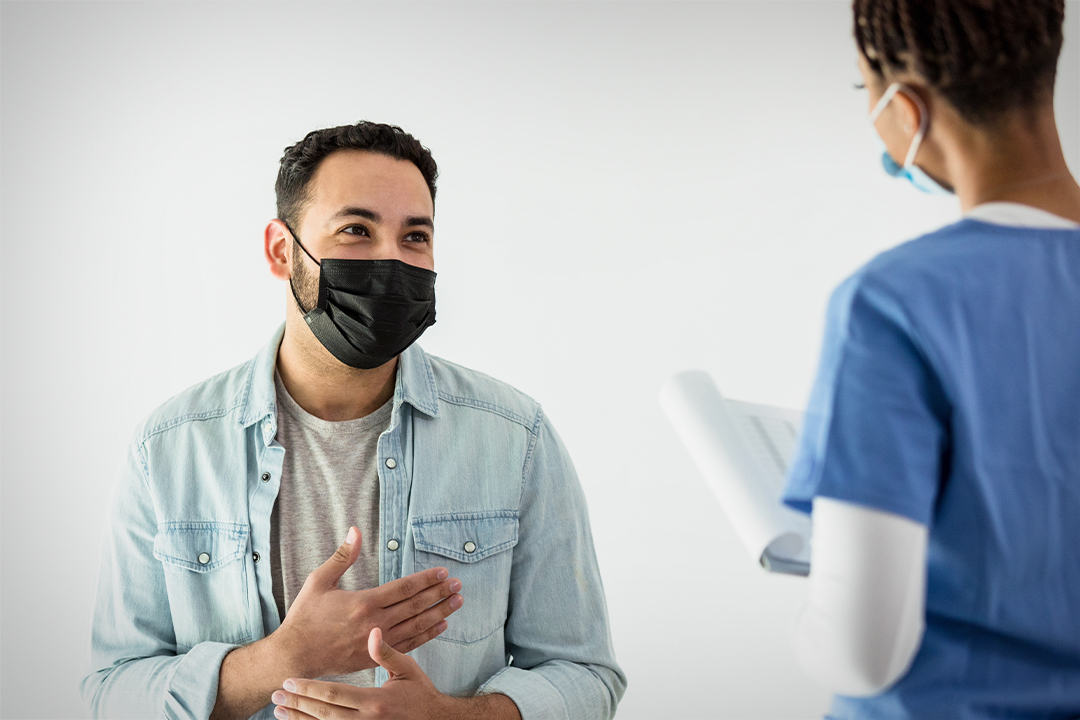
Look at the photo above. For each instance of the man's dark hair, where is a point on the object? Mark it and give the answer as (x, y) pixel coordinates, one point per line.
(300, 161)
(986, 57)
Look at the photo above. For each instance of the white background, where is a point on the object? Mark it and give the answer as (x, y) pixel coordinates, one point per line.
(627, 190)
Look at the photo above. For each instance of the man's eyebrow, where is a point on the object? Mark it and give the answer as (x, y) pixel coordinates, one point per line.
(357, 212)
(345, 212)
(419, 220)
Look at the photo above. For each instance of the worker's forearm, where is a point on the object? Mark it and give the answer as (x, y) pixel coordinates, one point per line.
(863, 620)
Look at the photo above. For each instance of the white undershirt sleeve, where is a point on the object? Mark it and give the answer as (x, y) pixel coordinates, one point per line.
(863, 622)
(864, 619)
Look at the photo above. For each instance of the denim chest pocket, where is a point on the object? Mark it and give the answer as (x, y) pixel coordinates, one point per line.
(206, 579)
(474, 547)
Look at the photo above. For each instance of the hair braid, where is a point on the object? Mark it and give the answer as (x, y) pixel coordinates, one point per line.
(979, 46)
(1008, 46)
(914, 61)
(942, 35)
(984, 56)
(881, 43)
(866, 33)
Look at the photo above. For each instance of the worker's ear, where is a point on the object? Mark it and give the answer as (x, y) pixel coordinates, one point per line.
(908, 114)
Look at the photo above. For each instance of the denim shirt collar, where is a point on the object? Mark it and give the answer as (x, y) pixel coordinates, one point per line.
(416, 382)
(415, 385)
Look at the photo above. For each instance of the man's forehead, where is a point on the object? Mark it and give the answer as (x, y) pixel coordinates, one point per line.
(357, 178)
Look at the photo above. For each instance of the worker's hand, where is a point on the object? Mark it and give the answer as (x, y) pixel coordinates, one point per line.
(326, 629)
(408, 695)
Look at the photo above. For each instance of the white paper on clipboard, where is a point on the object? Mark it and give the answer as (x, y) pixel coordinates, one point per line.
(743, 451)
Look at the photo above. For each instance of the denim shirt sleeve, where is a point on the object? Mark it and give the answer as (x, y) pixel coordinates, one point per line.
(135, 671)
(557, 625)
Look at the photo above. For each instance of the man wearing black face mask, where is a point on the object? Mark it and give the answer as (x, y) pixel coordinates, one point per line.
(365, 312)
(444, 483)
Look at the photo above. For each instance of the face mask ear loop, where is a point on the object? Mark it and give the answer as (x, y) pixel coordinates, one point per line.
(297, 239)
(884, 102)
(924, 125)
(291, 285)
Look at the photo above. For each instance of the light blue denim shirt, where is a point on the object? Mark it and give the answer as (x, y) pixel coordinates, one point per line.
(466, 459)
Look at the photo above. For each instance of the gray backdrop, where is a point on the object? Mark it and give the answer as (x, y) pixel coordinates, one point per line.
(628, 190)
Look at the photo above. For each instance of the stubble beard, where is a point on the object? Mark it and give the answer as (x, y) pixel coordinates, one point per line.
(305, 284)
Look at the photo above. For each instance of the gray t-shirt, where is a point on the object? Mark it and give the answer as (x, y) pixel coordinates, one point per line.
(329, 481)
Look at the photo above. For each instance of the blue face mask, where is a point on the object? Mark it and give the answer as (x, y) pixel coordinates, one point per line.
(909, 170)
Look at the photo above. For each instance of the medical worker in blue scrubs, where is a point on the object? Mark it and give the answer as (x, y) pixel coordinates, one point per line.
(940, 455)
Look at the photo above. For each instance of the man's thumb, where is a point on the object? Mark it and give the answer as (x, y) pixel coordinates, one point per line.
(331, 571)
(395, 663)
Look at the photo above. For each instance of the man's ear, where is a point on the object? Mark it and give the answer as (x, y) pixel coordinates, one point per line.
(278, 246)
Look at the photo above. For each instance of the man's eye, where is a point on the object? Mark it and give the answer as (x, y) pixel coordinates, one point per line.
(355, 230)
(418, 237)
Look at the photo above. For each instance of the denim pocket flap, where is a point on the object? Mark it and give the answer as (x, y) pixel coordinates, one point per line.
(200, 546)
(466, 537)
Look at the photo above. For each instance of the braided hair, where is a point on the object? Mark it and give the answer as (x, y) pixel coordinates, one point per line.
(985, 57)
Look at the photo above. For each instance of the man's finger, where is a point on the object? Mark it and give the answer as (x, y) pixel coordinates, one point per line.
(328, 574)
(332, 693)
(320, 699)
(404, 588)
(420, 624)
(418, 603)
(284, 713)
(407, 646)
(394, 662)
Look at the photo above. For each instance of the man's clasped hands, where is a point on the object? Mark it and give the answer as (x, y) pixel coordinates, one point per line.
(329, 631)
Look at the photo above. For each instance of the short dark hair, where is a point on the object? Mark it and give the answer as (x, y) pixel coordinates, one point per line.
(985, 57)
(300, 161)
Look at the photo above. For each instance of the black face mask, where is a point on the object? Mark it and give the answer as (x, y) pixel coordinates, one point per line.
(369, 311)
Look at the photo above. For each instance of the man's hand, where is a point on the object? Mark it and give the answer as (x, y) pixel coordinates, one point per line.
(408, 695)
(326, 629)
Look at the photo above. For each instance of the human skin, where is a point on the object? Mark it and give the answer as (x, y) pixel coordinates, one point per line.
(326, 630)
(395, 192)
(1017, 158)
(399, 226)
(408, 694)
(861, 625)
(360, 205)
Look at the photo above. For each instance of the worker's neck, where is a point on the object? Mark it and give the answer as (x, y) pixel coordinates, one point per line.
(1016, 159)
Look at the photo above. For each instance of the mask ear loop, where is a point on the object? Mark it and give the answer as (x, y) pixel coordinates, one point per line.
(920, 134)
(882, 103)
(924, 117)
(292, 287)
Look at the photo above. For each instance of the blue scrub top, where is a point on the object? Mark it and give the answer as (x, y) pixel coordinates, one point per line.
(949, 392)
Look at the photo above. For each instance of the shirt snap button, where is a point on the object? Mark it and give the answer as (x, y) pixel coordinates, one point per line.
(470, 547)
(204, 558)
(255, 556)
(266, 477)
(391, 463)
(392, 545)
